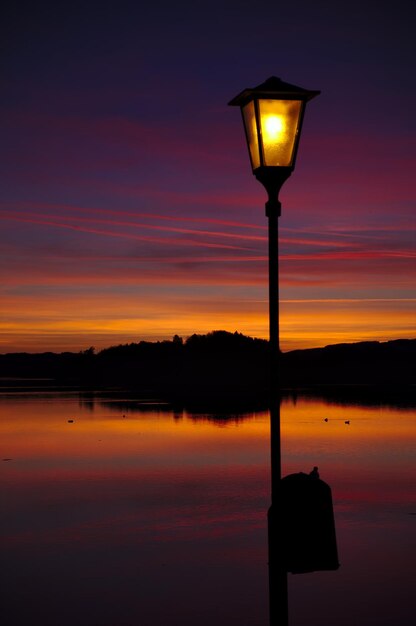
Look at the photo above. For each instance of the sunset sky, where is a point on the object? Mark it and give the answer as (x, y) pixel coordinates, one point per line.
(128, 209)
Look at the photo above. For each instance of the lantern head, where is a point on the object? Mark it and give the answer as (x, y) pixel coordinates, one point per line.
(272, 115)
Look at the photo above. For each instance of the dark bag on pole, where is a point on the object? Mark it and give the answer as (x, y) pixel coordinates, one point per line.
(304, 521)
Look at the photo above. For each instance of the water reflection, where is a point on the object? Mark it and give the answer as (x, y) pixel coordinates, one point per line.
(134, 514)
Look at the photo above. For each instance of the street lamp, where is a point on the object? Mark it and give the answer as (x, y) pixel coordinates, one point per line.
(272, 116)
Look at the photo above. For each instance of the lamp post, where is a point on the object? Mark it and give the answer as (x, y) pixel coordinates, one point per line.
(272, 116)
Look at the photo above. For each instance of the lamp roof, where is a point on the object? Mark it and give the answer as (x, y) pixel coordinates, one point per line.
(273, 88)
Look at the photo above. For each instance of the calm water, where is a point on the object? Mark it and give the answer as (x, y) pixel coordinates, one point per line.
(134, 515)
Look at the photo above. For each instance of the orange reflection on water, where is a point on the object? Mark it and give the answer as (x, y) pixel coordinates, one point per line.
(351, 437)
(142, 506)
(326, 421)
(64, 429)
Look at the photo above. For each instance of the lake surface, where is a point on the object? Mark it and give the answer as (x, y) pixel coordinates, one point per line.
(127, 513)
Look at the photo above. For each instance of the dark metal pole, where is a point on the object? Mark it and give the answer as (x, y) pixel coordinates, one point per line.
(278, 592)
(273, 209)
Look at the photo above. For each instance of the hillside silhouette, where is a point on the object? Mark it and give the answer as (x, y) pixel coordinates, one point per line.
(217, 363)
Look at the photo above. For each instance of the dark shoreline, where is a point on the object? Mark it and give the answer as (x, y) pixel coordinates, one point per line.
(222, 369)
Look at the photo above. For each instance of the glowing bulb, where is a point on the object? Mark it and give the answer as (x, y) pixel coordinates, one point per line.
(274, 126)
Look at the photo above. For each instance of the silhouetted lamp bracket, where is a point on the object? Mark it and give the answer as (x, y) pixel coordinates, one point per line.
(272, 116)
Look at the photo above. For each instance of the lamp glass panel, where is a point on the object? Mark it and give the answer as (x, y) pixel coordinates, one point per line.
(249, 117)
(279, 121)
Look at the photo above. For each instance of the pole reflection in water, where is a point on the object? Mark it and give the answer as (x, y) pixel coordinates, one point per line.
(278, 596)
(301, 527)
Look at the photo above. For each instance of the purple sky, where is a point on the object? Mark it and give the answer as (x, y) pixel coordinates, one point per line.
(128, 209)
